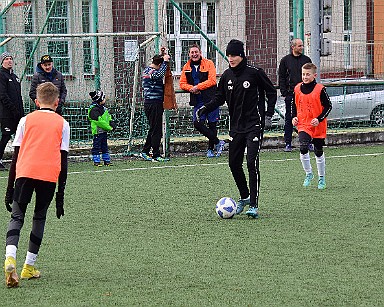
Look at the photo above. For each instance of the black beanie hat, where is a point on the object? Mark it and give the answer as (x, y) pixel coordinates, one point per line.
(235, 47)
(97, 96)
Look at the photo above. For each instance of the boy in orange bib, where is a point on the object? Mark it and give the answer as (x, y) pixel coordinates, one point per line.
(39, 161)
(312, 106)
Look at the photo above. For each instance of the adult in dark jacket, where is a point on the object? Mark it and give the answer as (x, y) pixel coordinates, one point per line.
(289, 76)
(244, 89)
(11, 102)
(45, 72)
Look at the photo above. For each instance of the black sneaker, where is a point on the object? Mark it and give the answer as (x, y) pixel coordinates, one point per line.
(108, 164)
(98, 164)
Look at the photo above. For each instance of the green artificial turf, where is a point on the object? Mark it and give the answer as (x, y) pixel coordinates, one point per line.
(139, 234)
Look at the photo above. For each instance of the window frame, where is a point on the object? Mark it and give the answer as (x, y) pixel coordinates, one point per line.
(177, 38)
(54, 55)
(91, 41)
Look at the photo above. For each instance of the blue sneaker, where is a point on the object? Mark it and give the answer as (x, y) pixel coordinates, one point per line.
(210, 153)
(219, 148)
(321, 184)
(253, 212)
(241, 204)
(160, 159)
(145, 156)
(307, 180)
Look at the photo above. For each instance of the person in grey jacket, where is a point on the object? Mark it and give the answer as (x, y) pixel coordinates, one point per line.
(45, 72)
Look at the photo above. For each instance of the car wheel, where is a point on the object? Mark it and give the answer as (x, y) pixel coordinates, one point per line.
(377, 116)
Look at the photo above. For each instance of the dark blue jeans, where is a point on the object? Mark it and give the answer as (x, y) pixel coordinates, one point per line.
(100, 145)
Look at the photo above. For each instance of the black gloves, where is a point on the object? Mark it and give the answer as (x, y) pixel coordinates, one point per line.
(59, 204)
(9, 198)
(268, 122)
(202, 110)
(113, 125)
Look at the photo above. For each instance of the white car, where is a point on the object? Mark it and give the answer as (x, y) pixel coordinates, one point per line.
(352, 100)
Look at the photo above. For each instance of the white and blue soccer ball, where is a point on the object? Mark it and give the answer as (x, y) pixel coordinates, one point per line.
(226, 208)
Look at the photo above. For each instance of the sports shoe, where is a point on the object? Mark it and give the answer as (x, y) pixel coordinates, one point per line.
(241, 204)
(210, 153)
(11, 278)
(108, 163)
(311, 147)
(253, 212)
(145, 156)
(307, 180)
(160, 159)
(219, 148)
(29, 272)
(288, 148)
(321, 184)
(98, 164)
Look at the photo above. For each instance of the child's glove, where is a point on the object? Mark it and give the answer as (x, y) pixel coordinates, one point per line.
(59, 204)
(113, 125)
(9, 198)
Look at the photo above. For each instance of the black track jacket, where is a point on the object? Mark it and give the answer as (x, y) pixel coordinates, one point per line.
(245, 88)
(290, 72)
(11, 102)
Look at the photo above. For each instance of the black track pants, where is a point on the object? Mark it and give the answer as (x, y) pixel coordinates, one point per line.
(251, 141)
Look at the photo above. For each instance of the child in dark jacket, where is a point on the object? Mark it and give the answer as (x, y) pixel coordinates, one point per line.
(101, 123)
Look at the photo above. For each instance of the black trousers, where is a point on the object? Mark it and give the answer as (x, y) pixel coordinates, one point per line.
(288, 126)
(237, 145)
(24, 188)
(8, 127)
(154, 112)
(209, 132)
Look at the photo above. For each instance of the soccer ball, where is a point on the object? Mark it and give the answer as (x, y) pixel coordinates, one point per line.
(226, 208)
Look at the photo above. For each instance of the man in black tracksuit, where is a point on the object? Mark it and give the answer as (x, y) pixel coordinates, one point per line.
(289, 76)
(11, 102)
(244, 88)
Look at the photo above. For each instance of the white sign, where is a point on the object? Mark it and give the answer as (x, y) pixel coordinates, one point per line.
(131, 50)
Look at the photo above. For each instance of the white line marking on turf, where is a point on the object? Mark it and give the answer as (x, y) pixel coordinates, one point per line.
(206, 164)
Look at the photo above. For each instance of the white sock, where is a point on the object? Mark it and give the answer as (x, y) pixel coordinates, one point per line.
(10, 251)
(31, 258)
(306, 162)
(320, 161)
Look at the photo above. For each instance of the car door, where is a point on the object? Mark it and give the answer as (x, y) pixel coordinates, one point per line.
(356, 102)
(337, 96)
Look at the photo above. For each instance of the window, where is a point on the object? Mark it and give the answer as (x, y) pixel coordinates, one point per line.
(87, 43)
(28, 29)
(58, 23)
(347, 33)
(182, 33)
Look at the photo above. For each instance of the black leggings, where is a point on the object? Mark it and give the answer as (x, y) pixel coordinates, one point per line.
(24, 188)
(305, 139)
